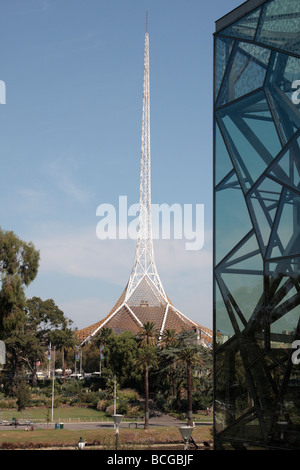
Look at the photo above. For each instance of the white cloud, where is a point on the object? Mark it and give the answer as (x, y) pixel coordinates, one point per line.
(82, 254)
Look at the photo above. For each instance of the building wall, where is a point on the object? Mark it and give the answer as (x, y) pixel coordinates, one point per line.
(257, 227)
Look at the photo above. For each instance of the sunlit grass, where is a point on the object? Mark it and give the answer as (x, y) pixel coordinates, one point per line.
(103, 438)
(59, 414)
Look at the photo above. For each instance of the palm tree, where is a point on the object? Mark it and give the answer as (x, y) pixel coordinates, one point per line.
(188, 354)
(147, 357)
(169, 338)
(102, 339)
(65, 341)
(103, 336)
(169, 341)
(148, 334)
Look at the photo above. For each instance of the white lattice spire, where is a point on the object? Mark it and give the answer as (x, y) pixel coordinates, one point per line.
(144, 298)
(144, 270)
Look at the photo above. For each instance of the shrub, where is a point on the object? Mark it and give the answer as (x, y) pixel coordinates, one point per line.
(109, 410)
(122, 408)
(23, 396)
(90, 399)
(102, 405)
(129, 395)
(135, 411)
(9, 403)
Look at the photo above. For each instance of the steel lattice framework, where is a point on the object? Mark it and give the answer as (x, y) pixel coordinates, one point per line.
(144, 298)
(257, 226)
(144, 265)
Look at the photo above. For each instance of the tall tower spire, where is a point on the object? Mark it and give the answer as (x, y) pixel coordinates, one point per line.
(144, 265)
(144, 298)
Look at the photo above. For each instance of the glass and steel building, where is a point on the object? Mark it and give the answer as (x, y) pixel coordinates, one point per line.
(257, 226)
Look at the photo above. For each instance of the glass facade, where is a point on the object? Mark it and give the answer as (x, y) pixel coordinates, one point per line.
(257, 227)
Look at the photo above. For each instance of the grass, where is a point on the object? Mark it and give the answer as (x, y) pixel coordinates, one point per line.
(59, 414)
(98, 438)
(49, 437)
(129, 438)
(44, 415)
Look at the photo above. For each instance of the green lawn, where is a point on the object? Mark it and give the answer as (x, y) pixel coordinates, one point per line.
(102, 438)
(44, 415)
(59, 414)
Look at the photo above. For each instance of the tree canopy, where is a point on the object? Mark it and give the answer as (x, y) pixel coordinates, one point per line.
(19, 263)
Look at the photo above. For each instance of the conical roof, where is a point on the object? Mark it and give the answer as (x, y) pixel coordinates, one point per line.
(140, 308)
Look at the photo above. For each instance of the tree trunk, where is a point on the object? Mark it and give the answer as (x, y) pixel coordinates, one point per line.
(189, 393)
(178, 397)
(146, 398)
(65, 362)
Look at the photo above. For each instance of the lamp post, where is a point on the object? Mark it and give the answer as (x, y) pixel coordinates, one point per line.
(81, 444)
(186, 432)
(53, 377)
(117, 420)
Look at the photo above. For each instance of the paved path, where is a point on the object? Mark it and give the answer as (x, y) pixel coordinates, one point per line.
(157, 418)
(161, 420)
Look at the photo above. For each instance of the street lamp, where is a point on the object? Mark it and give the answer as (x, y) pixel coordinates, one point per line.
(81, 444)
(186, 432)
(282, 428)
(117, 420)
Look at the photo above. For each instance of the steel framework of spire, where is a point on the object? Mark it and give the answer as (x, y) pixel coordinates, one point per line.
(144, 265)
(144, 298)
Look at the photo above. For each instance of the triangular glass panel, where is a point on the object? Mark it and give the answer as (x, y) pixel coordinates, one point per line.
(224, 328)
(232, 221)
(223, 164)
(285, 236)
(280, 90)
(286, 169)
(280, 25)
(145, 293)
(245, 27)
(245, 72)
(250, 135)
(286, 314)
(289, 266)
(230, 181)
(262, 203)
(246, 290)
(223, 47)
(244, 258)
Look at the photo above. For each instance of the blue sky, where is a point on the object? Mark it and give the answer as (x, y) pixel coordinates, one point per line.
(71, 138)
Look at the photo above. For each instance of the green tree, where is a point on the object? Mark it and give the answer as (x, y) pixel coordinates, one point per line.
(101, 339)
(147, 358)
(19, 262)
(188, 353)
(148, 334)
(169, 338)
(41, 322)
(23, 396)
(187, 360)
(64, 340)
(48, 324)
(121, 353)
(24, 348)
